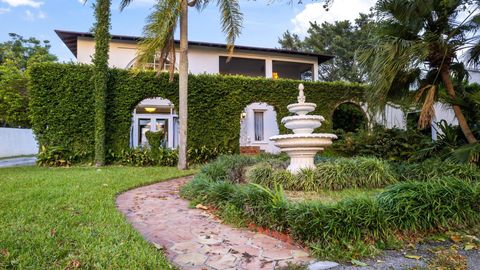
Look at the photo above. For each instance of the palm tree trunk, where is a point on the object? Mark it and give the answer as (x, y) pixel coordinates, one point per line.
(183, 86)
(458, 111)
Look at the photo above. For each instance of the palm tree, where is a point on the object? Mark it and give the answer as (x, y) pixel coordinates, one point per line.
(421, 39)
(159, 32)
(100, 60)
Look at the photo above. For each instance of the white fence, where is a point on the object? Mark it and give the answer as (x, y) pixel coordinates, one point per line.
(17, 142)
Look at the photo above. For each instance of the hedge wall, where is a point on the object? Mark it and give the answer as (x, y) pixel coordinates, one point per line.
(62, 104)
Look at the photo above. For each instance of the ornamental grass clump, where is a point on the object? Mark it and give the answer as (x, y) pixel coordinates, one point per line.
(435, 169)
(332, 174)
(229, 168)
(445, 203)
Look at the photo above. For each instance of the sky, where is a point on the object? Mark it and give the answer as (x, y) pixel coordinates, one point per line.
(264, 20)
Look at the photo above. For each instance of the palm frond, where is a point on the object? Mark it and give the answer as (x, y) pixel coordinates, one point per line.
(158, 33)
(427, 94)
(125, 3)
(232, 19)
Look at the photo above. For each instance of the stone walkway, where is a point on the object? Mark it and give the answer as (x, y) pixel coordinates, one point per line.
(194, 239)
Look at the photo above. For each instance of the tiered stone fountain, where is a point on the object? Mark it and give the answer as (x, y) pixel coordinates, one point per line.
(303, 144)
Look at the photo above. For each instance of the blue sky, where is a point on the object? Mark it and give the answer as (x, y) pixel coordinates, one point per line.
(264, 21)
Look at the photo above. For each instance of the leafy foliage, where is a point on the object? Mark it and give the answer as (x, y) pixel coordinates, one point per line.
(333, 175)
(340, 39)
(389, 144)
(155, 139)
(100, 74)
(437, 169)
(15, 56)
(349, 117)
(63, 113)
(356, 226)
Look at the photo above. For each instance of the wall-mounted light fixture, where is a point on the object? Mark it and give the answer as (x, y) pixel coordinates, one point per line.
(150, 110)
(243, 115)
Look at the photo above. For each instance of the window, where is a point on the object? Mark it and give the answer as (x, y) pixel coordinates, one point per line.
(144, 125)
(242, 66)
(258, 123)
(292, 70)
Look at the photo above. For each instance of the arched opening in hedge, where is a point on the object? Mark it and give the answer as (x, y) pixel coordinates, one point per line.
(154, 115)
(258, 122)
(349, 117)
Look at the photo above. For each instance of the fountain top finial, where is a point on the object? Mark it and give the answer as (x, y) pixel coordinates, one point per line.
(301, 95)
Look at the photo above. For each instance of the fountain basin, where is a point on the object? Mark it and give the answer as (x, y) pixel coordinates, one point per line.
(301, 108)
(303, 124)
(302, 148)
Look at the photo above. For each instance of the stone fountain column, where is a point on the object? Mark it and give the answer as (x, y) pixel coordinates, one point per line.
(303, 144)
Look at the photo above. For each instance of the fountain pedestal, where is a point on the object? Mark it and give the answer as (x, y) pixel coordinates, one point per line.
(303, 145)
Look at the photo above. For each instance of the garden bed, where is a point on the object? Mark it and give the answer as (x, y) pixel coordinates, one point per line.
(372, 207)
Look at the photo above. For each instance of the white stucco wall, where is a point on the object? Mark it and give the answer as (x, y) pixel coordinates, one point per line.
(247, 129)
(17, 142)
(201, 59)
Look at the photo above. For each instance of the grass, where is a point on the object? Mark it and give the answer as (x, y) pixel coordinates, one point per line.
(65, 218)
(329, 196)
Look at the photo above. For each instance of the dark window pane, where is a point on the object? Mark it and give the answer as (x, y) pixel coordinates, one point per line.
(292, 70)
(242, 66)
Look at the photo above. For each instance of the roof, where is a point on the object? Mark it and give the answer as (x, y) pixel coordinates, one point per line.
(70, 39)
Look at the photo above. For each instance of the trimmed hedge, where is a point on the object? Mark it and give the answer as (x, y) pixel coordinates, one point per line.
(62, 104)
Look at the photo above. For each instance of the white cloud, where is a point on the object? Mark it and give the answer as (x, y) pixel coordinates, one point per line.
(340, 10)
(4, 10)
(30, 3)
(31, 16)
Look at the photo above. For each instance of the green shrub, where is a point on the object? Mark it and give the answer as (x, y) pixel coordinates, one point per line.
(357, 225)
(229, 168)
(389, 144)
(62, 104)
(155, 139)
(333, 174)
(427, 205)
(435, 169)
(144, 157)
(58, 157)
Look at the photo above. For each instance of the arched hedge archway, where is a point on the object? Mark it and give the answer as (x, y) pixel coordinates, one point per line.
(349, 117)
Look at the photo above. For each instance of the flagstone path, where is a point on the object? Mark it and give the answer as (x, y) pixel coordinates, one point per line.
(194, 239)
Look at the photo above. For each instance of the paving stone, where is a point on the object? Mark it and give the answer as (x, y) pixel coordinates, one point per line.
(221, 262)
(194, 239)
(186, 247)
(322, 265)
(190, 259)
(277, 254)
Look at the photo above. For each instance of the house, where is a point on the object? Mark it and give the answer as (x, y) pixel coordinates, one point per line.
(259, 120)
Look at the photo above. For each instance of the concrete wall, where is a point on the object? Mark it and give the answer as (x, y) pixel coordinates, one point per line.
(17, 142)
(201, 59)
(270, 128)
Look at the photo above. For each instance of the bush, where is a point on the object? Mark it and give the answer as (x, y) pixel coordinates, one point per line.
(333, 174)
(436, 169)
(58, 157)
(429, 205)
(229, 168)
(62, 102)
(155, 139)
(144, 157)
(389, 144)
(355, 225)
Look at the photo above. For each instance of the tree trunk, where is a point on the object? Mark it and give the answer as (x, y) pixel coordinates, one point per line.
(183, 86)
(458, 111)
(100, 60)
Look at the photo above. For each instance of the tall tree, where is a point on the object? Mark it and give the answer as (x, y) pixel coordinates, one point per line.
(16, 55)
(418, 38)
(159, 41)
(341, 39)
(100, 60)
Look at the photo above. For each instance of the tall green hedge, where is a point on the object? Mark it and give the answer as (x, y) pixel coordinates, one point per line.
(62, 104)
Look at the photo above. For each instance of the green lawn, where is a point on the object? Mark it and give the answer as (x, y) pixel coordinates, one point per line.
(58, 218)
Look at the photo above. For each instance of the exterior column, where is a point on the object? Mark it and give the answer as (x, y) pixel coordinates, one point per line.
(268, 68)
